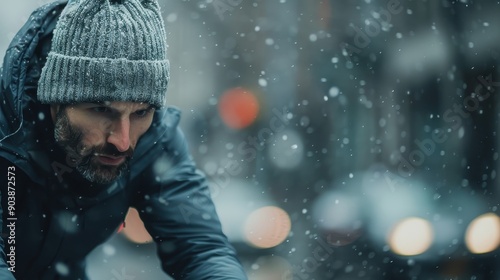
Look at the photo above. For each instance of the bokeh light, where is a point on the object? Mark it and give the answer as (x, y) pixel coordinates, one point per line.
(338, 215)
(483, 234)
(411, 236)
(287, 151)
(237, 201)
(390, 200)
(267, 227)
(134, 228)
(238, 107)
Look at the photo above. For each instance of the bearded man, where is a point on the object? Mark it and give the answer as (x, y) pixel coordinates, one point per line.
(85, 134)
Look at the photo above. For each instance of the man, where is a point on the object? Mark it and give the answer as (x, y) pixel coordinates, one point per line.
(84, 135)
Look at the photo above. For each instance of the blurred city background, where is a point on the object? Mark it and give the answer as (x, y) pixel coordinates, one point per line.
(350, 139)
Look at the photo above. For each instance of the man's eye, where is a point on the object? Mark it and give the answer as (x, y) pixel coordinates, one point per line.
(101, 109)
(142, 113)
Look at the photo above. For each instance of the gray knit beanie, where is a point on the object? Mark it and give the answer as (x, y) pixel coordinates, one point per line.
(107, 50)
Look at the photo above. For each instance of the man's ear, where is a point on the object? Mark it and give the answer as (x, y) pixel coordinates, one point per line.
(54, 108)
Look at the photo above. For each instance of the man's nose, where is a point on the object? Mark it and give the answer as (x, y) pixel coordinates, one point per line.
(119, 135)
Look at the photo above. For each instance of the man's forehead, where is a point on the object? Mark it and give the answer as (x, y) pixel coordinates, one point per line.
(115, 104)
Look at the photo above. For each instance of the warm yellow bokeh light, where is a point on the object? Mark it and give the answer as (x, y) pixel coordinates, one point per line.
(134, 228)
(267, 227)
(411, 236)
(483, 234)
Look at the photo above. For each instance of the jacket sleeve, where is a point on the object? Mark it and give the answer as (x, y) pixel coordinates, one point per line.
(4, 268)
(179, 214)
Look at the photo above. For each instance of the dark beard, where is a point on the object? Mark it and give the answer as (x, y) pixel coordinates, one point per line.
(69, 138)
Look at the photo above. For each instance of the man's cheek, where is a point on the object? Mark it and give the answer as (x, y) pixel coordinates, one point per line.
(95, 134)
(93, 137)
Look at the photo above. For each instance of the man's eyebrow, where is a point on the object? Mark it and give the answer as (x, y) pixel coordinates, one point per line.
(149, 108)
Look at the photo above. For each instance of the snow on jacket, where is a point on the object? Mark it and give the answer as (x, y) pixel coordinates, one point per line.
(58, 222)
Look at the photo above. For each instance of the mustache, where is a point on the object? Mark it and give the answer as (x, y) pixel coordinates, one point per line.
(110, 150)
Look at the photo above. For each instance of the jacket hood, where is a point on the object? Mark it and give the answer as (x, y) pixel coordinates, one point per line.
(23, 64)
(19, 75)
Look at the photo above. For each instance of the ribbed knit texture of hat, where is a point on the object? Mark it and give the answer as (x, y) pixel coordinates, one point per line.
(105, 50)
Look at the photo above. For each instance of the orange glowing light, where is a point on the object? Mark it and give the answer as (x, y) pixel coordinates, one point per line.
(134, 228)
(267, 227)
(238, 108)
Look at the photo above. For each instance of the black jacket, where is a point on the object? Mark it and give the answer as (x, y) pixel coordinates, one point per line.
(54, 218)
